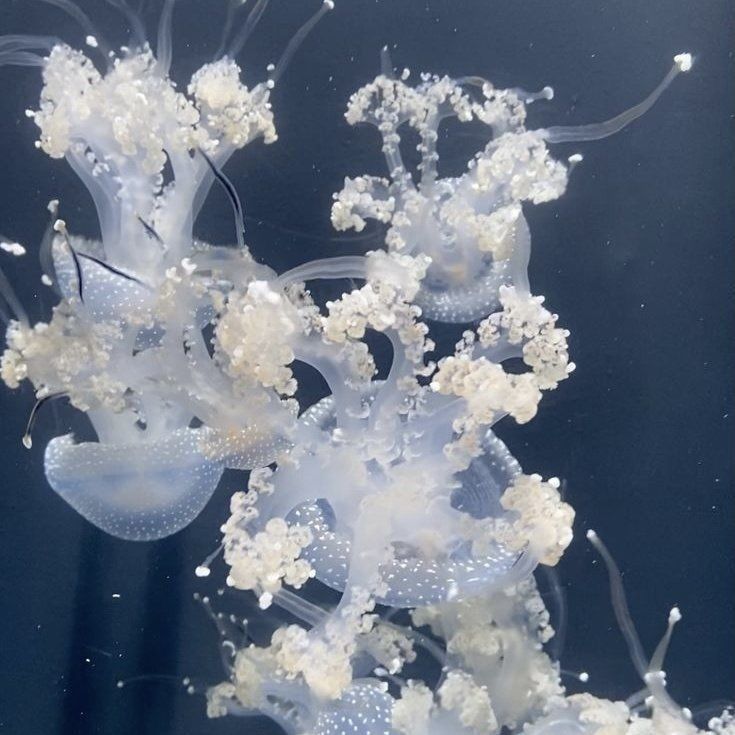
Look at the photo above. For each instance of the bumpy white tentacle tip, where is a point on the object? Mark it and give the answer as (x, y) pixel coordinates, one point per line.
(683, 61)
(591, 535)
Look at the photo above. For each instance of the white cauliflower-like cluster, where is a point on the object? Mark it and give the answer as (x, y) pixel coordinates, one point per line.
(140, 111)
(229, 110)
(263, 561)
(489, 393)
(389, 646)
(132, 105)
(388, 103)
(525, 320)
(254, 335)
(383, 304)
(361, 198)
(544, 521)
(488, 389)
(323, 663)
(459, 694)
(323, 659)
(410, 714)
(493, 233)
(539, 521)
(66, 355)
(253, 667)
(521, 164)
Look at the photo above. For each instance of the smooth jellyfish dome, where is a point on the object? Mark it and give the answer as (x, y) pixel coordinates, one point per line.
(139, 491)
(362, 710)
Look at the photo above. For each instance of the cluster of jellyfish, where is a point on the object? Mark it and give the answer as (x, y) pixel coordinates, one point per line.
(395, 492)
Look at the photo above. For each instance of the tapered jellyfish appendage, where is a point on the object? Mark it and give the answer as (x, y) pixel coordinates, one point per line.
(139, 491)
(596, 131)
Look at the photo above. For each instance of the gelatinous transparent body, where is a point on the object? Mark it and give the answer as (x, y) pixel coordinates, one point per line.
(397, 492)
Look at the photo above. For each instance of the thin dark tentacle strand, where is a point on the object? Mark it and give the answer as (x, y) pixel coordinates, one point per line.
(33, 416)
(227, 185)
(112, 269)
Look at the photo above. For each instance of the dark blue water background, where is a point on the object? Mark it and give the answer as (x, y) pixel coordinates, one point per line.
(637, 258)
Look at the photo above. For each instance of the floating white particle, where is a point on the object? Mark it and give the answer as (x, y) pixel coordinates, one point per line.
(683, 61)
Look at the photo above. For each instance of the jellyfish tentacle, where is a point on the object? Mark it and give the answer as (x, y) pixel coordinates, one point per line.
(597, 131)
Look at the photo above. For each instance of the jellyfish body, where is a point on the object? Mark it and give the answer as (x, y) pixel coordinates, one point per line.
(427, 565)
(139, 491)
(126, 343)
(394, 492)
(472, 226)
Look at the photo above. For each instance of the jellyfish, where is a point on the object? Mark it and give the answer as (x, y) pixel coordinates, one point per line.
(396, 492)
(126, 343)
(471, 226)
(651, 709)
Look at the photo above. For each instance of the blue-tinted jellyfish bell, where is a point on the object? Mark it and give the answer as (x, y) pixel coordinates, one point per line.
(137, 491)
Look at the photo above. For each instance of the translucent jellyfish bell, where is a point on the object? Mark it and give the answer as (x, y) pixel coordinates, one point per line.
(364, 709)
(412, 579)
(135, 491)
